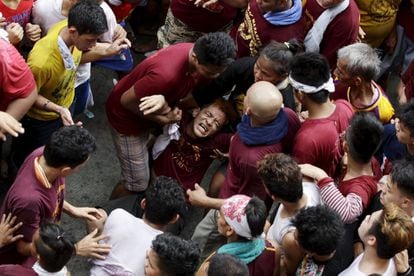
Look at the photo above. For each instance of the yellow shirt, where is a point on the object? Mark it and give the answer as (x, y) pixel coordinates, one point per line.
(54, 82)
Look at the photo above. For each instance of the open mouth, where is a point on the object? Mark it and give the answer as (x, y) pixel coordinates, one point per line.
(203, 127)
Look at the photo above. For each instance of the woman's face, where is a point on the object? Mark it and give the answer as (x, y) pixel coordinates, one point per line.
(263, 71)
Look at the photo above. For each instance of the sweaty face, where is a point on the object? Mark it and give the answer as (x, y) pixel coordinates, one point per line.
(151, 263)
(341, 73)
(367, 224)
(390, 192)
(208, 121)
(85, 42)
(402, 133)
(263, 71)
(267, 5)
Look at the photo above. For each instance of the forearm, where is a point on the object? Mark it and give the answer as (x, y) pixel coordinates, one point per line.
(349, 208)
(19, 107)
(96, 53)
(46, 104)
(68, 208)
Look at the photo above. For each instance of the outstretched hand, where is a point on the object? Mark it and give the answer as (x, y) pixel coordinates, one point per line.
(8, 227)
(10, 125)
(198, 196)
(90, 247)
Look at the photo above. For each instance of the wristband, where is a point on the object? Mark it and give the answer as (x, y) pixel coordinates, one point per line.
(45, 104)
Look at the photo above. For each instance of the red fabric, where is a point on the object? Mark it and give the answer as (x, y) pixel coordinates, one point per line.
(30, 202)
(13, 270)
(241, 177)
(20, 15)
(188, 159)
(342, 31)
(324, 181)
(264, 264)
(122, 11)
(16, 79)
(405, 18)
(317, 141)
(166, 73)
(201, 19)
(364, 186)
(265, 31)
(408, 80)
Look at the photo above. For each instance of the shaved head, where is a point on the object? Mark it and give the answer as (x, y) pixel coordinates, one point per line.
(263, 101)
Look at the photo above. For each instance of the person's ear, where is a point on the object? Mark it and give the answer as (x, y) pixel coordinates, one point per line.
(143, 203)
(357, 81)
(65, 171)
(345, 146)
(371, 240)
(248, 111)
(407, 203)
(175, 219)
(229, 231)
(72, 30)
(194, 58)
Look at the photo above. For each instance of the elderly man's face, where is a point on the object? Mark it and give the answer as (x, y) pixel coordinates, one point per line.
(341, 71)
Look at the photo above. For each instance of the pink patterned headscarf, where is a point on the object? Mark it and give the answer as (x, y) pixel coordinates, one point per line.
(234, 212)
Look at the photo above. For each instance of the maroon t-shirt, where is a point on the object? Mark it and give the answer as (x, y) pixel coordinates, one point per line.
(342, 31)
(317, 141)
(206, 20)
(255, 32)
(13, 270)
(241, 177)
(364, 186)
(31, 202)
(166, 73)
(264, 264)
(408, 80)
(188, 159)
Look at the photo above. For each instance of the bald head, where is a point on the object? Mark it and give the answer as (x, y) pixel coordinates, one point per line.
(263, 101)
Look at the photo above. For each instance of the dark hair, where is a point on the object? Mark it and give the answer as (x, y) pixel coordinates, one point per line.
(226, 265)
(364, 136)
(176, 255)
(402, 175)
(164, 200)
(226, 107)
(406, 115)
(281, 54)
(319, 229)
(215, 49)
(282, 176)
(311, 69)
(69, 146)
(54, 246)
(256, 214)
(393, 231)
(88, 18)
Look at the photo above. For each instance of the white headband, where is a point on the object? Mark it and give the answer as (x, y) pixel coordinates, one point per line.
(329, 85)
(234, 212)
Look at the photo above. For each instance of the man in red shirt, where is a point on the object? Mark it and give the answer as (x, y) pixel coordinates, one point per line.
(317, 141)
(171, 73)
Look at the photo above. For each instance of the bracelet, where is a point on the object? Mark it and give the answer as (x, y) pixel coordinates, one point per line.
(406, 272)
(45, 104)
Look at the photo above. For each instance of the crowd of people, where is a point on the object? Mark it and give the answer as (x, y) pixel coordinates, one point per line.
(316, 157)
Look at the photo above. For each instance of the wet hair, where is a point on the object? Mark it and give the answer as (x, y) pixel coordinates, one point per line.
(406, 115)
(226, 265)
(215, 49)
(402, 175)
(226, 107)
(256, 214)
(54, 246)
(164, 200)
(394, 231)
(281, 176)
(88, 18)
(319, 229)
(361, 60)
(364, 136)
(281, 55)
(69, 146)
(176, 255)
(311, 69)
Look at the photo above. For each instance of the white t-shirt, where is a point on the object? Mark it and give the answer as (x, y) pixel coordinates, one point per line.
(353, 269)
(47, 13)
(130, 238)
(281, 226)
(42, 272)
